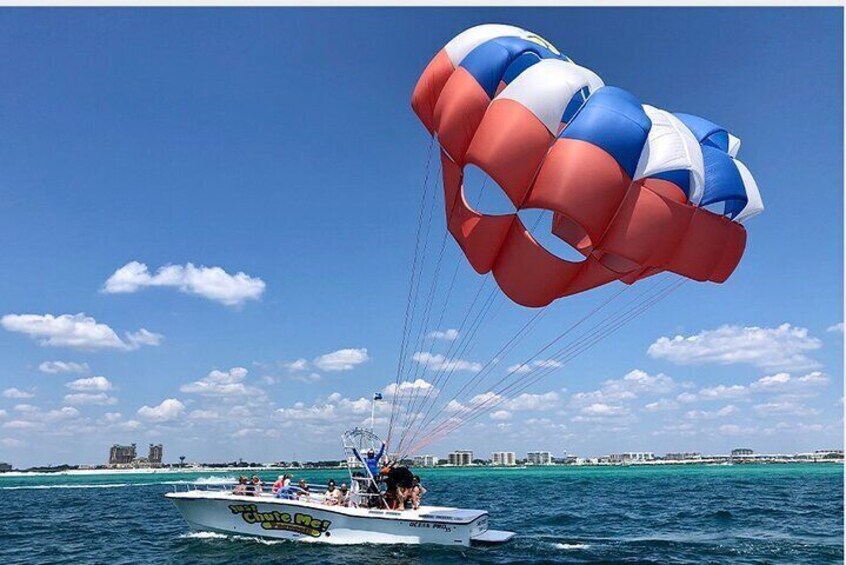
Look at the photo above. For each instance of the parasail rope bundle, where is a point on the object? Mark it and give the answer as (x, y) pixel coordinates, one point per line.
(634, 190)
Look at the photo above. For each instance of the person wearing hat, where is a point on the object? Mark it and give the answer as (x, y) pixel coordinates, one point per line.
(345, 495)
(371, 460)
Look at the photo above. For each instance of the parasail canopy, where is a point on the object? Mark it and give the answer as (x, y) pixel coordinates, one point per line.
(636, 190)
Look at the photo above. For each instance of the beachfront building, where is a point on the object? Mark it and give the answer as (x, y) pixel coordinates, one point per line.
(742, 452)
(426, 461)
(539, 458)
(630, 457)
(122, 454)
(5, 467)
(154, 458)
(683, 456)
(504, 458)
(460, 458)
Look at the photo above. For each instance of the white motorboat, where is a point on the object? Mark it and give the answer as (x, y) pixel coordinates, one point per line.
(306, 517)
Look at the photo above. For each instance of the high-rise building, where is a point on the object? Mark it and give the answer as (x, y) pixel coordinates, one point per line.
(155, 455)
(122, 454)
(503, 458)
(539, 458)
(631, 457)
(461, 457)
(426, 461)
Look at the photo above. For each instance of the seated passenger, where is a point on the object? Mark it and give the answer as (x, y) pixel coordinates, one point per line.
(345, 495)
(417, 492)
(254, 486)
(332, 496)
(241, 487)
(303, 492)
(280, 482)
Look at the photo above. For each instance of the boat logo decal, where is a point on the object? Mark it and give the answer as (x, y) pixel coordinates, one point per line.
(299, 522)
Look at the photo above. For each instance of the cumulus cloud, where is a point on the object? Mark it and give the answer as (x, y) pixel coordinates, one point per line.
(501, 415)
(55, 367)
(221, 383)
(440, 363)
(168, 410)
(448, 335)
(97, 398)
(97, 384)
(341, 360)
(836, 328)
(212, 283)
(603, 410)
(76, 331)
(296, 366)
(785, 347)
(533, 402)
(14, 392)
(406, 388)
(11, 442)
(721, 392)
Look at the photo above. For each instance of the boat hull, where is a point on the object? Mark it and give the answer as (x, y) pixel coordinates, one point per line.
(303, 521)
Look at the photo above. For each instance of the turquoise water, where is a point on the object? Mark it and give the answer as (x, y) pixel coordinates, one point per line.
(696, 514)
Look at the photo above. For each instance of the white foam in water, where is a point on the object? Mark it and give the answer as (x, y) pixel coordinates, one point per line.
(215, 481)
(571, 546)
(203, 535)
(45, 487)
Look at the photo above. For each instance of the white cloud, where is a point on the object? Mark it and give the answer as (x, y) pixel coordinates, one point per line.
(440, 363)
(296, 366)
(735, 430)
(63, 413)
(307, 378)
(203, 415)
(711, 414)
(168, 410)
(721, 392)
(533, 402)
(815, 378)
(533, 365)
(76, 331)
(19, 425)
(661, 405)
(501, 415)
(25, 408)
(341, 360)
(448, 335)
(212, 283)
(11, 442)
(687, 397)
(98, 398)
(222, 383)
(600, 409)
(407, 388)
(112, 417)
(14, 392)
(784, 408)
(836, 328)
(784, 347)
(54, 367)
(89, 384)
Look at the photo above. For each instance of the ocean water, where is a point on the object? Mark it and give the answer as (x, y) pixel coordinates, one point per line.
(692, 514)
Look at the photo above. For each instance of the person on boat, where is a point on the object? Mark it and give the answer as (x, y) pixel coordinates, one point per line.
(303, 488)
(345, 495)
(254, 486)
(371, 460)
(241, 487)
(417, 492)
(280, 482)
(332, 496)
(399, 482)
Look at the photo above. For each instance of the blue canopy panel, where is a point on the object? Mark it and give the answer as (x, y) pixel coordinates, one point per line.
(492, 61)
(706, 132)
(723, 182)
(575, 103)
(679, 177)
(614, 120)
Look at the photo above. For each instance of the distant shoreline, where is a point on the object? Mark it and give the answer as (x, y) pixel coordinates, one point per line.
(268, 468)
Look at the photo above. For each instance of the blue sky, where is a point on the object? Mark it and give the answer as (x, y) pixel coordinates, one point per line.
(281, 144)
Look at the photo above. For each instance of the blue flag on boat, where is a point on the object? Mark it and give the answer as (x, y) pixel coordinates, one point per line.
(377, 396)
